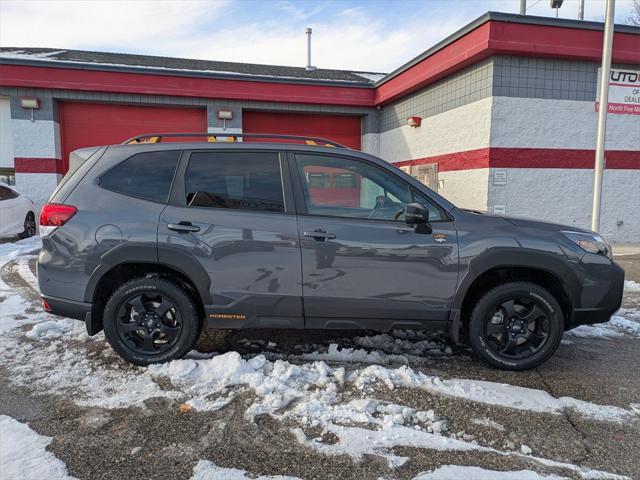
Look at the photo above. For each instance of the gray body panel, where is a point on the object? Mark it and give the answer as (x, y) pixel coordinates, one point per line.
(377, 270)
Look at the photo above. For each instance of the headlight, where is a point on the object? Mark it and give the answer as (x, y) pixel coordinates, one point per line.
(590, 242)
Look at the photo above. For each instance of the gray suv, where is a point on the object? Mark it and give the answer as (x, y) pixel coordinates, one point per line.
(162, 242)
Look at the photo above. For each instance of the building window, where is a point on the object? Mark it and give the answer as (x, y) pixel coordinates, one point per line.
(8, 176)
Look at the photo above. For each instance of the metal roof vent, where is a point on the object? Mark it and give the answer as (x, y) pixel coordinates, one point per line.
(308, 32)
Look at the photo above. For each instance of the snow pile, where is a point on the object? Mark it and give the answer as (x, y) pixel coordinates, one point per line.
(23, 453)
(618, 326)
(406, 342)
(336, 354)
(9, 251)
(631, 286)
(356, 442)
(489, 393)
(206, 470)
(57, 328)
(457, 472)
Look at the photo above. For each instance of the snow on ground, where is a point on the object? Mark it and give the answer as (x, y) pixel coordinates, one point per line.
(206, 470)
(458, 472)
(300, 388)
(631, 286)
(23, 454)
(625, 322)
(9, 251)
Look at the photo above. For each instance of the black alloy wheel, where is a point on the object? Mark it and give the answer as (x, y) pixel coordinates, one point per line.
(516, 326)
(29, 226)
(518, 329)
(151, 320)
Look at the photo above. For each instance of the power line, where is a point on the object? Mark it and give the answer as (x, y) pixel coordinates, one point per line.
(536, 3)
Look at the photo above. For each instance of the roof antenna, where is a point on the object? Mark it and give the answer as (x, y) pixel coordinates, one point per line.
(308, 32)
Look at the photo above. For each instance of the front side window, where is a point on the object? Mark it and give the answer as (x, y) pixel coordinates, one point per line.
(235, 180)
(356, 189)
(145, 175)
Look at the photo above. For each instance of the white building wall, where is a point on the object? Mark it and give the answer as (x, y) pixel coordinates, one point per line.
(466, 188)
(546, 123)
(6, 135)
(464, 128)
(39, 139)
(564, 195)
(460, 129)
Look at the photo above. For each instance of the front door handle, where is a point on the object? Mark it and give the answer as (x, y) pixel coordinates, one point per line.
(183, 227)
(320, 235)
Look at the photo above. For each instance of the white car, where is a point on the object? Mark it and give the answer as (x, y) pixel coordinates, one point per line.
(17, 215)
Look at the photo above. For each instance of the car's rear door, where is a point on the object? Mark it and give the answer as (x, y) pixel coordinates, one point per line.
(11, 220)
(231, 211)
(362, 265)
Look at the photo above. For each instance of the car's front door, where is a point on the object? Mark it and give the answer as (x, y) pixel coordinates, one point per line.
(362, 265)
(232, 211)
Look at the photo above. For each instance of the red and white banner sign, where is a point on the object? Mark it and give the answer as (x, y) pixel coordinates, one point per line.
(624, 92)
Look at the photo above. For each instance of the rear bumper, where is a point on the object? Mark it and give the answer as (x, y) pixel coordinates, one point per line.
(67, 308)
(609, 299)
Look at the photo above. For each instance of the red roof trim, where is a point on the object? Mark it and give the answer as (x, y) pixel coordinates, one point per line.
(493, 37)
(156, 84)
(504, 38)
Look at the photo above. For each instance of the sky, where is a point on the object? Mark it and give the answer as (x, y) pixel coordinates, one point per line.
(373, 35)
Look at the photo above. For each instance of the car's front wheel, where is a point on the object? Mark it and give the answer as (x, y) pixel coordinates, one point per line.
(151, 320)
(29, 226)
(516, 326)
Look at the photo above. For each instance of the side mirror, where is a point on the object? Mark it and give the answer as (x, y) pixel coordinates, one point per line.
(417, 215)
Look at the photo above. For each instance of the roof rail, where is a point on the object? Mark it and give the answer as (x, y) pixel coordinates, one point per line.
(213, 137)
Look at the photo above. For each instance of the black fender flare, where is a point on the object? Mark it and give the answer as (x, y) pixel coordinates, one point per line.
(513, 257)
(140, 253)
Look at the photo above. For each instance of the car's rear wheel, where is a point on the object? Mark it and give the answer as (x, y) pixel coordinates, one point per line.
(29, 226)
(516, 326)
(151, 320)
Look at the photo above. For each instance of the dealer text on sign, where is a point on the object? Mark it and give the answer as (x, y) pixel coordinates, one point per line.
(624, 92)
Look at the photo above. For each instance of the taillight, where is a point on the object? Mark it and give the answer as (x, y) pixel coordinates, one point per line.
(54, 215)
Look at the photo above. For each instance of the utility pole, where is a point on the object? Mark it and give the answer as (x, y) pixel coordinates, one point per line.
(603, 108)
(581, 10)
(523, 7)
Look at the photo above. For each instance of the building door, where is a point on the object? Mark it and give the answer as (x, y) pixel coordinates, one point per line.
(93, 124)
(426, 174)
(344, 129)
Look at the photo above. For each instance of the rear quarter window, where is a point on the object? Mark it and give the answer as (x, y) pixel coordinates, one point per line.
(146, 175)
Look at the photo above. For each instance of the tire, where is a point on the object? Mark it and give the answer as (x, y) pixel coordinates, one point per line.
(151, 320)
(29, 226)
(516, 326)
(215, 340)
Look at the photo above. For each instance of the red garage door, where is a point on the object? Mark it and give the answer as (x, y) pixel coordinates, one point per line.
(91, 124)
(339, 128)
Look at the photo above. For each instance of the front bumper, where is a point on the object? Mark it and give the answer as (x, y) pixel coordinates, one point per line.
(601, 296)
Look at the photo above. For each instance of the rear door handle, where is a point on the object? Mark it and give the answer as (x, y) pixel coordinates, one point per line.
(320, 235)
(183, 227)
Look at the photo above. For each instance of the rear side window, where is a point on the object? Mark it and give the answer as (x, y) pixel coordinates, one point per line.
(145, 175)
(7, 193)
(235, 180)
